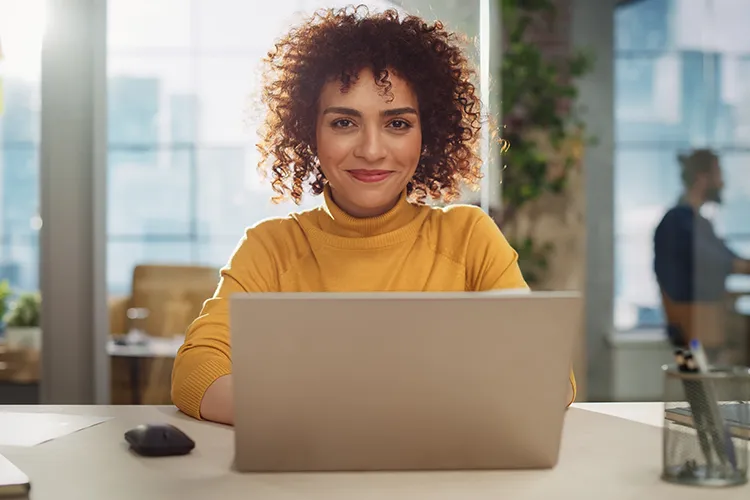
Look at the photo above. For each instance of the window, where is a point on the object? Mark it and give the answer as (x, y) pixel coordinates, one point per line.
(182, 182)
(20, 71)
(681, 68)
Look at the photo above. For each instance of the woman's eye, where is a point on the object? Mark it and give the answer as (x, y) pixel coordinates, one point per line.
(400, 124)
(342, 123)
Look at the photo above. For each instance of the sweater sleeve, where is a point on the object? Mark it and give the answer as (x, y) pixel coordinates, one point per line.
(492, 264)
(205, 355)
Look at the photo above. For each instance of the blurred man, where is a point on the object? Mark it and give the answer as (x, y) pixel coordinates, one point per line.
(690, 261)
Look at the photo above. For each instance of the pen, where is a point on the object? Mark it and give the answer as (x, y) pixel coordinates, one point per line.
(703, 407)
(717, 420)
(690, 391)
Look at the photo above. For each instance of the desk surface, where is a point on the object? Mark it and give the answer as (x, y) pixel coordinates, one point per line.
(610, 450)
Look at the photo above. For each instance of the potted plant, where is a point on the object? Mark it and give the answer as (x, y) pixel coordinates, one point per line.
(22, 322)
(543, 135)
(4, 294)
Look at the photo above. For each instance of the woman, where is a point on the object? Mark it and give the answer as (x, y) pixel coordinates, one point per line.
(376, 114)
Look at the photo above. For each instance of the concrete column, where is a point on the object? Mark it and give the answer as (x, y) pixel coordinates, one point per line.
(73, 190)
(592, 27)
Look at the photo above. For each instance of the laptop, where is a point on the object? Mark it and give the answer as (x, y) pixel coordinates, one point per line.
(401, 381)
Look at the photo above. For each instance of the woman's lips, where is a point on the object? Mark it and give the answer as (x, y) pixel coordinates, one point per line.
(370, 175)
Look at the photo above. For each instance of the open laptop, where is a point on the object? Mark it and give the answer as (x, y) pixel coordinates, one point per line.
(401, 381)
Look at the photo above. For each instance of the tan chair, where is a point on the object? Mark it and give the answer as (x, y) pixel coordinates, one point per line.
(19, 366)
(173, 296)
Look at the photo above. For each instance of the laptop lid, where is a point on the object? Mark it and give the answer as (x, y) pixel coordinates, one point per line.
(401, 381)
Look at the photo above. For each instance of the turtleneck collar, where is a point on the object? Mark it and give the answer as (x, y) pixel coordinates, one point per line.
(329, 225)
(335, 221)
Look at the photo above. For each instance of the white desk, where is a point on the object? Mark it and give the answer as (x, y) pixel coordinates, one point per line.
(610, 451)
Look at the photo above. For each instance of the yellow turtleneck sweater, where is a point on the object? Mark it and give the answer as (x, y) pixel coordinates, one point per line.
(409, 248)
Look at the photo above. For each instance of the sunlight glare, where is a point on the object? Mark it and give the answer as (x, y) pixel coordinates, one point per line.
(22, 27)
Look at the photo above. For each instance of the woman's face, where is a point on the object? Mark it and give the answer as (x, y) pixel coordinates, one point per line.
(368, 145)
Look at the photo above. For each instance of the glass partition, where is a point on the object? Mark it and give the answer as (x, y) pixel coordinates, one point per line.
(681, 71)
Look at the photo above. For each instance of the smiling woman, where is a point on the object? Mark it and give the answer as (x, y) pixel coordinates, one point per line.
(376, 113)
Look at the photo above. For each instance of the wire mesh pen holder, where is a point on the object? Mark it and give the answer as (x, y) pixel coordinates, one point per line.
(706, 426)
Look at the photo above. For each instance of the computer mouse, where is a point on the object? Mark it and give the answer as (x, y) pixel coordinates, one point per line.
(159, 440)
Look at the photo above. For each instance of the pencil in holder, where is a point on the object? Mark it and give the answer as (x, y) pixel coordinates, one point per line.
(706, 426)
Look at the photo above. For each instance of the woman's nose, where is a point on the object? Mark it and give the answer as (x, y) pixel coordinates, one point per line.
(371, 146)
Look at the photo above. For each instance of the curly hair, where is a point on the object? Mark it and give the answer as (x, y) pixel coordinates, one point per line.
(339, 43)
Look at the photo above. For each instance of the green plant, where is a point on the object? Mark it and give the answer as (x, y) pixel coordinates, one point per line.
(5, 292)
(543, 133)
(25, 312)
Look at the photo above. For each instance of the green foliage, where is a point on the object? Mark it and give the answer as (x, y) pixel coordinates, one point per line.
(539, 93)
(532, 258)
(26, 311)
(5, 293)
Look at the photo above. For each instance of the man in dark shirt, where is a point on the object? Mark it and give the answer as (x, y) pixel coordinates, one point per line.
(690, 261)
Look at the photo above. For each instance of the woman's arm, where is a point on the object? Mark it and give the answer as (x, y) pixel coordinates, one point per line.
(491, 263)
(218, 401)
(201, 377)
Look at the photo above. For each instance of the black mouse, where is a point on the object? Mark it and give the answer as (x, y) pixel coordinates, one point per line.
(159, 440)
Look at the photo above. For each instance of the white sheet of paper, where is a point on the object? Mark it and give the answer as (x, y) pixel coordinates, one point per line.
(31, 429)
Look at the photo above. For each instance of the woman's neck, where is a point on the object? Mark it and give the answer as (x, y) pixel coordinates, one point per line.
(361, 212)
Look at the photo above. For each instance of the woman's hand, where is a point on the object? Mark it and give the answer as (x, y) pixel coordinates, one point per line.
(217, 404)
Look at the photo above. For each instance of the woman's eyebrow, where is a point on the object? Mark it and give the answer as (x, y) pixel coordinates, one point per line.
(353, 112)
(399, 111)
(342, 111)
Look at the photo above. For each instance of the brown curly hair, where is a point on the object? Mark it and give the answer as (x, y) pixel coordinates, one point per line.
(339, 43)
